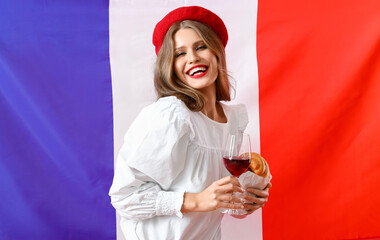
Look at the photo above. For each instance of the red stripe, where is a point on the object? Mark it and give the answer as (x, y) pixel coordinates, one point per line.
(319, 86)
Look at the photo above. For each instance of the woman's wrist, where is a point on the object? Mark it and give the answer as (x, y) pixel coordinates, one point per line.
(190, 202)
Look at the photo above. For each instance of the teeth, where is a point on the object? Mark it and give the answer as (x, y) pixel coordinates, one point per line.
(194, 70)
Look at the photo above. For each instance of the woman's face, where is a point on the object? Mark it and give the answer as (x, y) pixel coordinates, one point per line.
(194, 63)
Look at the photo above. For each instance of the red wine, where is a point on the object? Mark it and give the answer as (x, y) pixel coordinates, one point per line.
(236, 165)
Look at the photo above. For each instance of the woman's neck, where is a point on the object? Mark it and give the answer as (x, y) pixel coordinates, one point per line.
(212, 109)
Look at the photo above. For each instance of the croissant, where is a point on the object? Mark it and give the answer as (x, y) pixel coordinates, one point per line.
(258, 165)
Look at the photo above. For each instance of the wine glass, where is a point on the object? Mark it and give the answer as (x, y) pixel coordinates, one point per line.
(236, 155)
(237, 158)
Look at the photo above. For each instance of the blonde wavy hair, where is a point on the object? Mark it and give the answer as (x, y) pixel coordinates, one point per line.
(167, 83)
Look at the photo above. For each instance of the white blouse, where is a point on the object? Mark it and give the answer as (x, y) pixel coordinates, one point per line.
(169, 150)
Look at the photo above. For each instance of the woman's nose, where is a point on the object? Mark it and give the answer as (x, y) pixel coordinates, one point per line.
(193, 57)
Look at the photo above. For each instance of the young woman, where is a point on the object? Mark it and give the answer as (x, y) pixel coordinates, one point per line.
(169, 177)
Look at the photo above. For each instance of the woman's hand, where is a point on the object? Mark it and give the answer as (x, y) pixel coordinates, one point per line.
(217, 195)
(258, 199)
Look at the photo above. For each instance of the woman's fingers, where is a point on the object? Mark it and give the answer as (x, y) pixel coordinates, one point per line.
(229, 179)
(226, 201)
(223, 194)
(230, 188)
(228, 185)
(259, 197)
(255, 200)
(219, 195)
(260, 193)
(232, 205)
(230, 198)
(250, 208)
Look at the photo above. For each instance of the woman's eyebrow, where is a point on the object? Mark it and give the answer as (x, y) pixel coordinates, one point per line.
(196, 43)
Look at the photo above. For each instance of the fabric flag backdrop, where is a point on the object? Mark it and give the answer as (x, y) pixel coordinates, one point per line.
(132, 61)
(56, 136)
(319, 78)
(314, 112)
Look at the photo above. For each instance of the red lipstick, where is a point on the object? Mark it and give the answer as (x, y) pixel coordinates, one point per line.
(197, 71)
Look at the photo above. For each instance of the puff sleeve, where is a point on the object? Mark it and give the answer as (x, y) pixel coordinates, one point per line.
(240, 117)
(151, 157)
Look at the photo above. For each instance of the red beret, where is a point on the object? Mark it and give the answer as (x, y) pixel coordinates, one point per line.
(189, 13)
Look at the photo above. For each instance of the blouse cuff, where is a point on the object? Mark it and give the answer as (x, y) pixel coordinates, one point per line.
(169, 203)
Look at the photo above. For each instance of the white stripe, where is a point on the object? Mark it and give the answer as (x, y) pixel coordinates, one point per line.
(132, 61)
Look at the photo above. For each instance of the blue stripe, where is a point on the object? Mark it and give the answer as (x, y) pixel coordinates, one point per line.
(56, 126)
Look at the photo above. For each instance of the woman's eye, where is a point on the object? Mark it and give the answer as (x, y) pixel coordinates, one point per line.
(202, 47)
(178, 54)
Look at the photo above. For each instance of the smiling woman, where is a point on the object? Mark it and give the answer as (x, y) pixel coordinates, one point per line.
(194, 63)
(182, 37)
(169, 180)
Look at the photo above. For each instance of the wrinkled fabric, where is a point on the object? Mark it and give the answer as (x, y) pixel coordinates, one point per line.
(169, 150)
